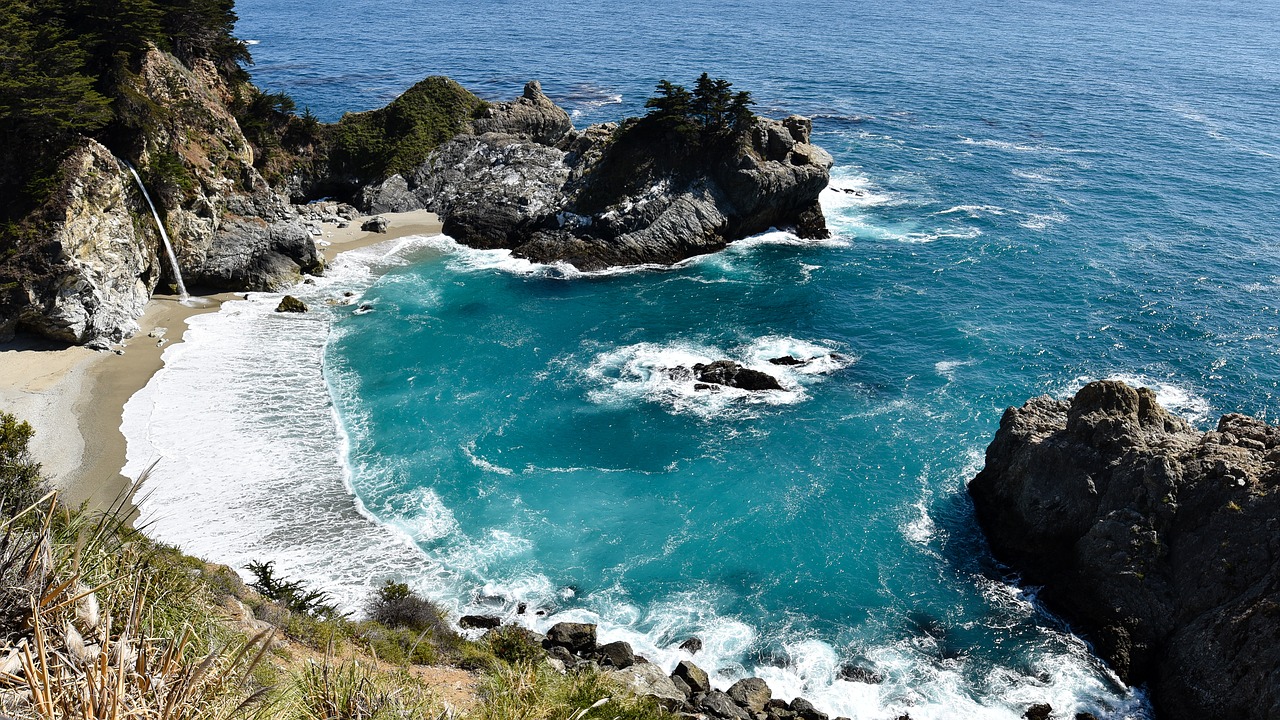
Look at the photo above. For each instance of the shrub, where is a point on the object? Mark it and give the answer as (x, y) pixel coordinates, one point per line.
(293, 594)
(20, 481)
(514, 644)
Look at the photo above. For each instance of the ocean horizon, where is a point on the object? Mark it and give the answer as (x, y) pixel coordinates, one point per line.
(1026, 197)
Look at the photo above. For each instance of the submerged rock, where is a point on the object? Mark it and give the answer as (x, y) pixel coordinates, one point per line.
(787, 360)
(692, 645)
(1159, 542)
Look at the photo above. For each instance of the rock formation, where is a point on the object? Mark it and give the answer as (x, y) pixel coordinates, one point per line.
(90, 275)
(524, 179)
(1160, 543)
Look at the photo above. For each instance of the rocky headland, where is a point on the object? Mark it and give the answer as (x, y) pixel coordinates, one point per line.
(1159, 543)
(234, 174)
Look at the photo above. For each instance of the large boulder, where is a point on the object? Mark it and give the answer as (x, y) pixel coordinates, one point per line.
(693, 676)
(1159, 542)
(578, 638)
(647, 679)
(751, 693)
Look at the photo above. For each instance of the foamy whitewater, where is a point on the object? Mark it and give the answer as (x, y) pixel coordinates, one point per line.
(1086, 193)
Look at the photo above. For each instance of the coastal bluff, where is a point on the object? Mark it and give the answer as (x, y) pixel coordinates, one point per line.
(234, 175)
(522, 178)
(1160, 543)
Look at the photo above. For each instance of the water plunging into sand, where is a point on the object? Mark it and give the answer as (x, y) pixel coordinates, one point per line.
(168, 247)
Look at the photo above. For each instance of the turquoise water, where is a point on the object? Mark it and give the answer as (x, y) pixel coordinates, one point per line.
(1026, 196)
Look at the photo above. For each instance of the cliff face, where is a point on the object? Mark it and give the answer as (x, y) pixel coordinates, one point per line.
(95, 272)
(1161, 543)
(524, 179)
(96, 256)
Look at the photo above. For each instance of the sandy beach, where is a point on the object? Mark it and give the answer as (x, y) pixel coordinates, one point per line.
(74, 397)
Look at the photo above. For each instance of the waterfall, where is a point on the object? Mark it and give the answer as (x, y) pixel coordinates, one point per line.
(168, 247)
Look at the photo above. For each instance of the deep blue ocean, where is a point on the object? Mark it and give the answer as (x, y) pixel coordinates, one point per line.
(1027, 196)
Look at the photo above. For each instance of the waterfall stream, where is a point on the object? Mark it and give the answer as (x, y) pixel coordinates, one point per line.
(168, 247)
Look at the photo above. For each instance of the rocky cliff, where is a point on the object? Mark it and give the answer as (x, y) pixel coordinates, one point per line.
(1160, 543)
(523, 178)
(94, 255)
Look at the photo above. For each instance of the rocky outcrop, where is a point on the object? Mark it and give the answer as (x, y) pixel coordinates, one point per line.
(524, 179)
(1159, 542)
(92, 276)
(92, 257)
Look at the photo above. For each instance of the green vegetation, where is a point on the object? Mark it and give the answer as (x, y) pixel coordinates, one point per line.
(20, 481)
(100, 621)
(710, 112)
(397, 138)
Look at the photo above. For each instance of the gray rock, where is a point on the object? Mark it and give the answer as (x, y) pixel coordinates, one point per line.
(693, 676)
(1156, 541)
(648, 680)
(616, 654)
(389, 196)
(721, 705)
(682, 686)
(377, 224)
(692, 645)
(857, 673)
(577, 638)
(751, 693)
(806, 711)
(532, 116)
(562, 655)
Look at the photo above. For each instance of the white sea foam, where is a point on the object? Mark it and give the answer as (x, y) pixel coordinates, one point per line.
(250, 467)
(1178, 398)
(659, 373)
(973, 211)
(1019, 147)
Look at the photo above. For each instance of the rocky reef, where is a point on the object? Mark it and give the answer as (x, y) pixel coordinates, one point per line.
(523, 178)
(1161, 544)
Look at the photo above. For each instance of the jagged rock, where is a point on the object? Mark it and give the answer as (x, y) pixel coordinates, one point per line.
(377, 224)
(731, 374)
(1040, 711)
(693, 676)
(786, 360)
(578, 638)
(647, 679)
(291, 304)
(616, 654)
(480, 622)
(721, 705)
(562, 655)
(525, 180)
(751, 693)
(682, 686)
(532, 116)
(693, 645)
(389, 196)
(857, 673)
(92, 276)
(806, 711)
(1161, 543)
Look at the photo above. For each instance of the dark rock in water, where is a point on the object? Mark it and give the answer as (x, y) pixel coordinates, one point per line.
(704, 386)
(693, 644)
(483, 622)
(693, 676)
(806, 711)
(291, 304)
(521, 608)
(721, 705)
(579, 638)
(857, 673)
(1086, 716)
(616, 654)
(377, 224)
(751, 693)
(787, 360)
(731, 374)
(1040, 711)
(1157, 541)
(524, 179)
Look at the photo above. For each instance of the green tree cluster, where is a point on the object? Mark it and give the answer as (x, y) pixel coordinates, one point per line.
(710, 111)
(63, 64)
(20, 480)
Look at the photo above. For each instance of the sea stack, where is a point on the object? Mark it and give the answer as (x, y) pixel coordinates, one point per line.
(1159, 542)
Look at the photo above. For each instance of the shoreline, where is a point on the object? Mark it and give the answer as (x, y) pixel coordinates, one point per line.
(74, 397)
